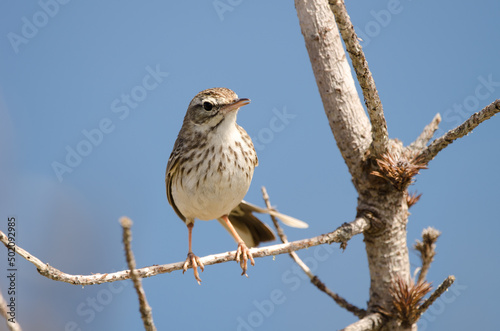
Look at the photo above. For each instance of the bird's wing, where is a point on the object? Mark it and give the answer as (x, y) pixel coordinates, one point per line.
(172, 167)
(287, 220)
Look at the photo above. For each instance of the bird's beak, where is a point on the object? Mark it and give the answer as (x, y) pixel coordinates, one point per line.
(235, 105)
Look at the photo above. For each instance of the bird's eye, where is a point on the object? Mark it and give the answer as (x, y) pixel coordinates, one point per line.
(207, 106)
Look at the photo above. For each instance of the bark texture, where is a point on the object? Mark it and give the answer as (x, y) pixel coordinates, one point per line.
(379, 201)
(348, 121)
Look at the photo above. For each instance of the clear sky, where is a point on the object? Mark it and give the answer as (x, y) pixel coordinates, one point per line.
(102, 88)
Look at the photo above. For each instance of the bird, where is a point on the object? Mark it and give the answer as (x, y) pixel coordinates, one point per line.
(209, 172)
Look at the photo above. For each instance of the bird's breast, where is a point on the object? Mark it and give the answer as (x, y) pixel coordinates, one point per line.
(211, 182)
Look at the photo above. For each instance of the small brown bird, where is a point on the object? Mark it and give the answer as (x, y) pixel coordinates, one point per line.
(210, 170)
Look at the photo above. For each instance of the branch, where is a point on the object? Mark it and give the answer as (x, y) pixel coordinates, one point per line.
(358, 312)
(437, 293)
(368, 323)
(380, 136)
(346, 115)
(466, 127)
(144, 308)
(314, 279)
(341, 235)
(426, 135)
(12, 326)
(283, 237)
(427, 250)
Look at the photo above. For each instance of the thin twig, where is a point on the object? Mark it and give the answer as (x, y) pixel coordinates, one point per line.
(463, 129)
(283, 237)
(359, 312)
(380, 135)
(145, 309)
(368, 323)
(314, 279)
(278, 227)
(13, 326)
(427, 250)
(437, 293)
(341, 235)
(426, 134)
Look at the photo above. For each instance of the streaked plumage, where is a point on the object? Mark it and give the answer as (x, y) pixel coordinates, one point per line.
(210, 170)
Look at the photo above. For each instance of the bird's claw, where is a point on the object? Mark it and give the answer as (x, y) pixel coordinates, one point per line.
(194, 262)
(242, 256)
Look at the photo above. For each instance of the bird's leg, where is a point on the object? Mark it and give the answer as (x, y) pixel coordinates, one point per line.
(242, 253)
(192, 259)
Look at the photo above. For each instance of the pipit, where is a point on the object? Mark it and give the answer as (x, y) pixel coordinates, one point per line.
(210, 170)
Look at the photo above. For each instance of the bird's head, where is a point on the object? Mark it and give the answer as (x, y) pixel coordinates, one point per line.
(210, 108)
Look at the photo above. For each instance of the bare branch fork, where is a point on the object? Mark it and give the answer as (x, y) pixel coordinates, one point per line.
(463, 129)
(383, 212)
(367, 151)
(314, 279)
(421, 142)
(374, 105)
(341, 235)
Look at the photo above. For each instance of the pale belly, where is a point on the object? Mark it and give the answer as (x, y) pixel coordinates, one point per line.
(211, 193)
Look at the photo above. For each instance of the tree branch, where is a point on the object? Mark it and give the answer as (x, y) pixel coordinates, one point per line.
(368, 323)
(144, 308)
(427, 250)
(283, 237)
(437, 293)
(346, 115)
(341, 235)
(380, 136)
(314, 279)
(466, 127)
(4, 312)
(426, 135)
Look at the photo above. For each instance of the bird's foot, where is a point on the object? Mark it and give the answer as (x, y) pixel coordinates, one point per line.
(242, 256)
(194, 262)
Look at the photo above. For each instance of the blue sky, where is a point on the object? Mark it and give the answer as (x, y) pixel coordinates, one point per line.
(112, 80)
